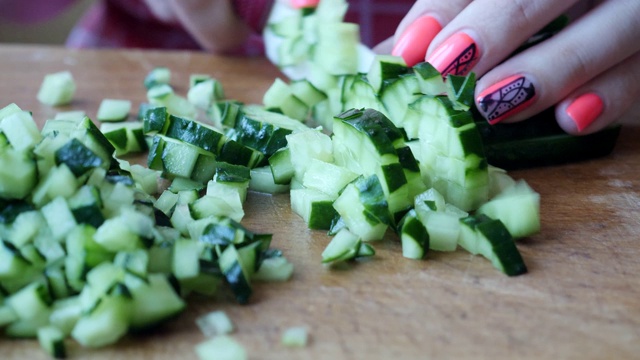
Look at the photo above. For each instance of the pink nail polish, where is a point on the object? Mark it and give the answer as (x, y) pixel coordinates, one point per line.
(456, 56)
(585, 109)
(299, 4)
(506, 98)
(415, 40)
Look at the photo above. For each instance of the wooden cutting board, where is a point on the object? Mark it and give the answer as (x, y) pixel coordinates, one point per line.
(580, 298)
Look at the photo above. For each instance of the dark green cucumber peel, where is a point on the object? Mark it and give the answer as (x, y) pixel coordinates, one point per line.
(540, 141)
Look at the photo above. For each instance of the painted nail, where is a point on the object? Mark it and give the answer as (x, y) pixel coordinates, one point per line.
(415, 40)
(456, 56)
(299, 4)
(585, 109)
(506, 98)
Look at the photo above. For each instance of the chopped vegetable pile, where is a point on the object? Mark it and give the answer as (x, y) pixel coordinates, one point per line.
(93, 247)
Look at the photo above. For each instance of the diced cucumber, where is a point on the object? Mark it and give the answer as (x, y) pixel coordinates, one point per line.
(157, 76)
(337, 51)
(342, 247)
(385, 67)
(51, 339)
(518, 207)
(105, 324)
(307, 145)
(221, 348)
(272, 269)
(126, 137)
(262, 181)
(281, 167)
(315, 207)
(327, 177)
(363, 208)
(491, 239)
(295, 337)
(18, 174)
(112, 110)
(204, 93)
(57, 89)
(413, 235)
(20, 130)
(215, 323)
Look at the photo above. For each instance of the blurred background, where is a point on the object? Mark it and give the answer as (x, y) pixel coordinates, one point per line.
(53, 31)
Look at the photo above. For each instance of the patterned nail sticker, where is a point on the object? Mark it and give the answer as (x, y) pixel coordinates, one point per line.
(513, 94)
(462, 64)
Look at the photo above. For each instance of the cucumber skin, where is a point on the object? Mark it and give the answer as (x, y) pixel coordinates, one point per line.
(539, 141)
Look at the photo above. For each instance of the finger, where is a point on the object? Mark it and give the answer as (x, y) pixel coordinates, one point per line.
(213, 24)
(422, 23)
(543, 75)
(603, 100)
(488, 31)
(384, 47)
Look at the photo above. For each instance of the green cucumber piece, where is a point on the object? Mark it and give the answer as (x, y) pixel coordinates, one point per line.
(113, 110)
(57, 89)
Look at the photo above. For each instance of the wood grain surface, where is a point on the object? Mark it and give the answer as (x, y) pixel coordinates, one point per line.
(580, 298)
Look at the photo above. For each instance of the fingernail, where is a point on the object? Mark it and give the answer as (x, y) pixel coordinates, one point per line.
(456, 56)
(299, 4)
(415, 40)
(506, 98)
(585, 109)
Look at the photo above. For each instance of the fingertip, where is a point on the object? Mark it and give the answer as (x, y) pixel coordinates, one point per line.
(412, 45)
(578, 114)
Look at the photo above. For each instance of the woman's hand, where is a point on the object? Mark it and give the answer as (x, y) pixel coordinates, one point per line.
(213, 24)
(590, 70)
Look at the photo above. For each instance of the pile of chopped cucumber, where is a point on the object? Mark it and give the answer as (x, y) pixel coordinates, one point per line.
(93, 247)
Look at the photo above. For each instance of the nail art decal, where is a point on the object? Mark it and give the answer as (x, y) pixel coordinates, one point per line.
(456, 56)
(505, 98)
(462, 64)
